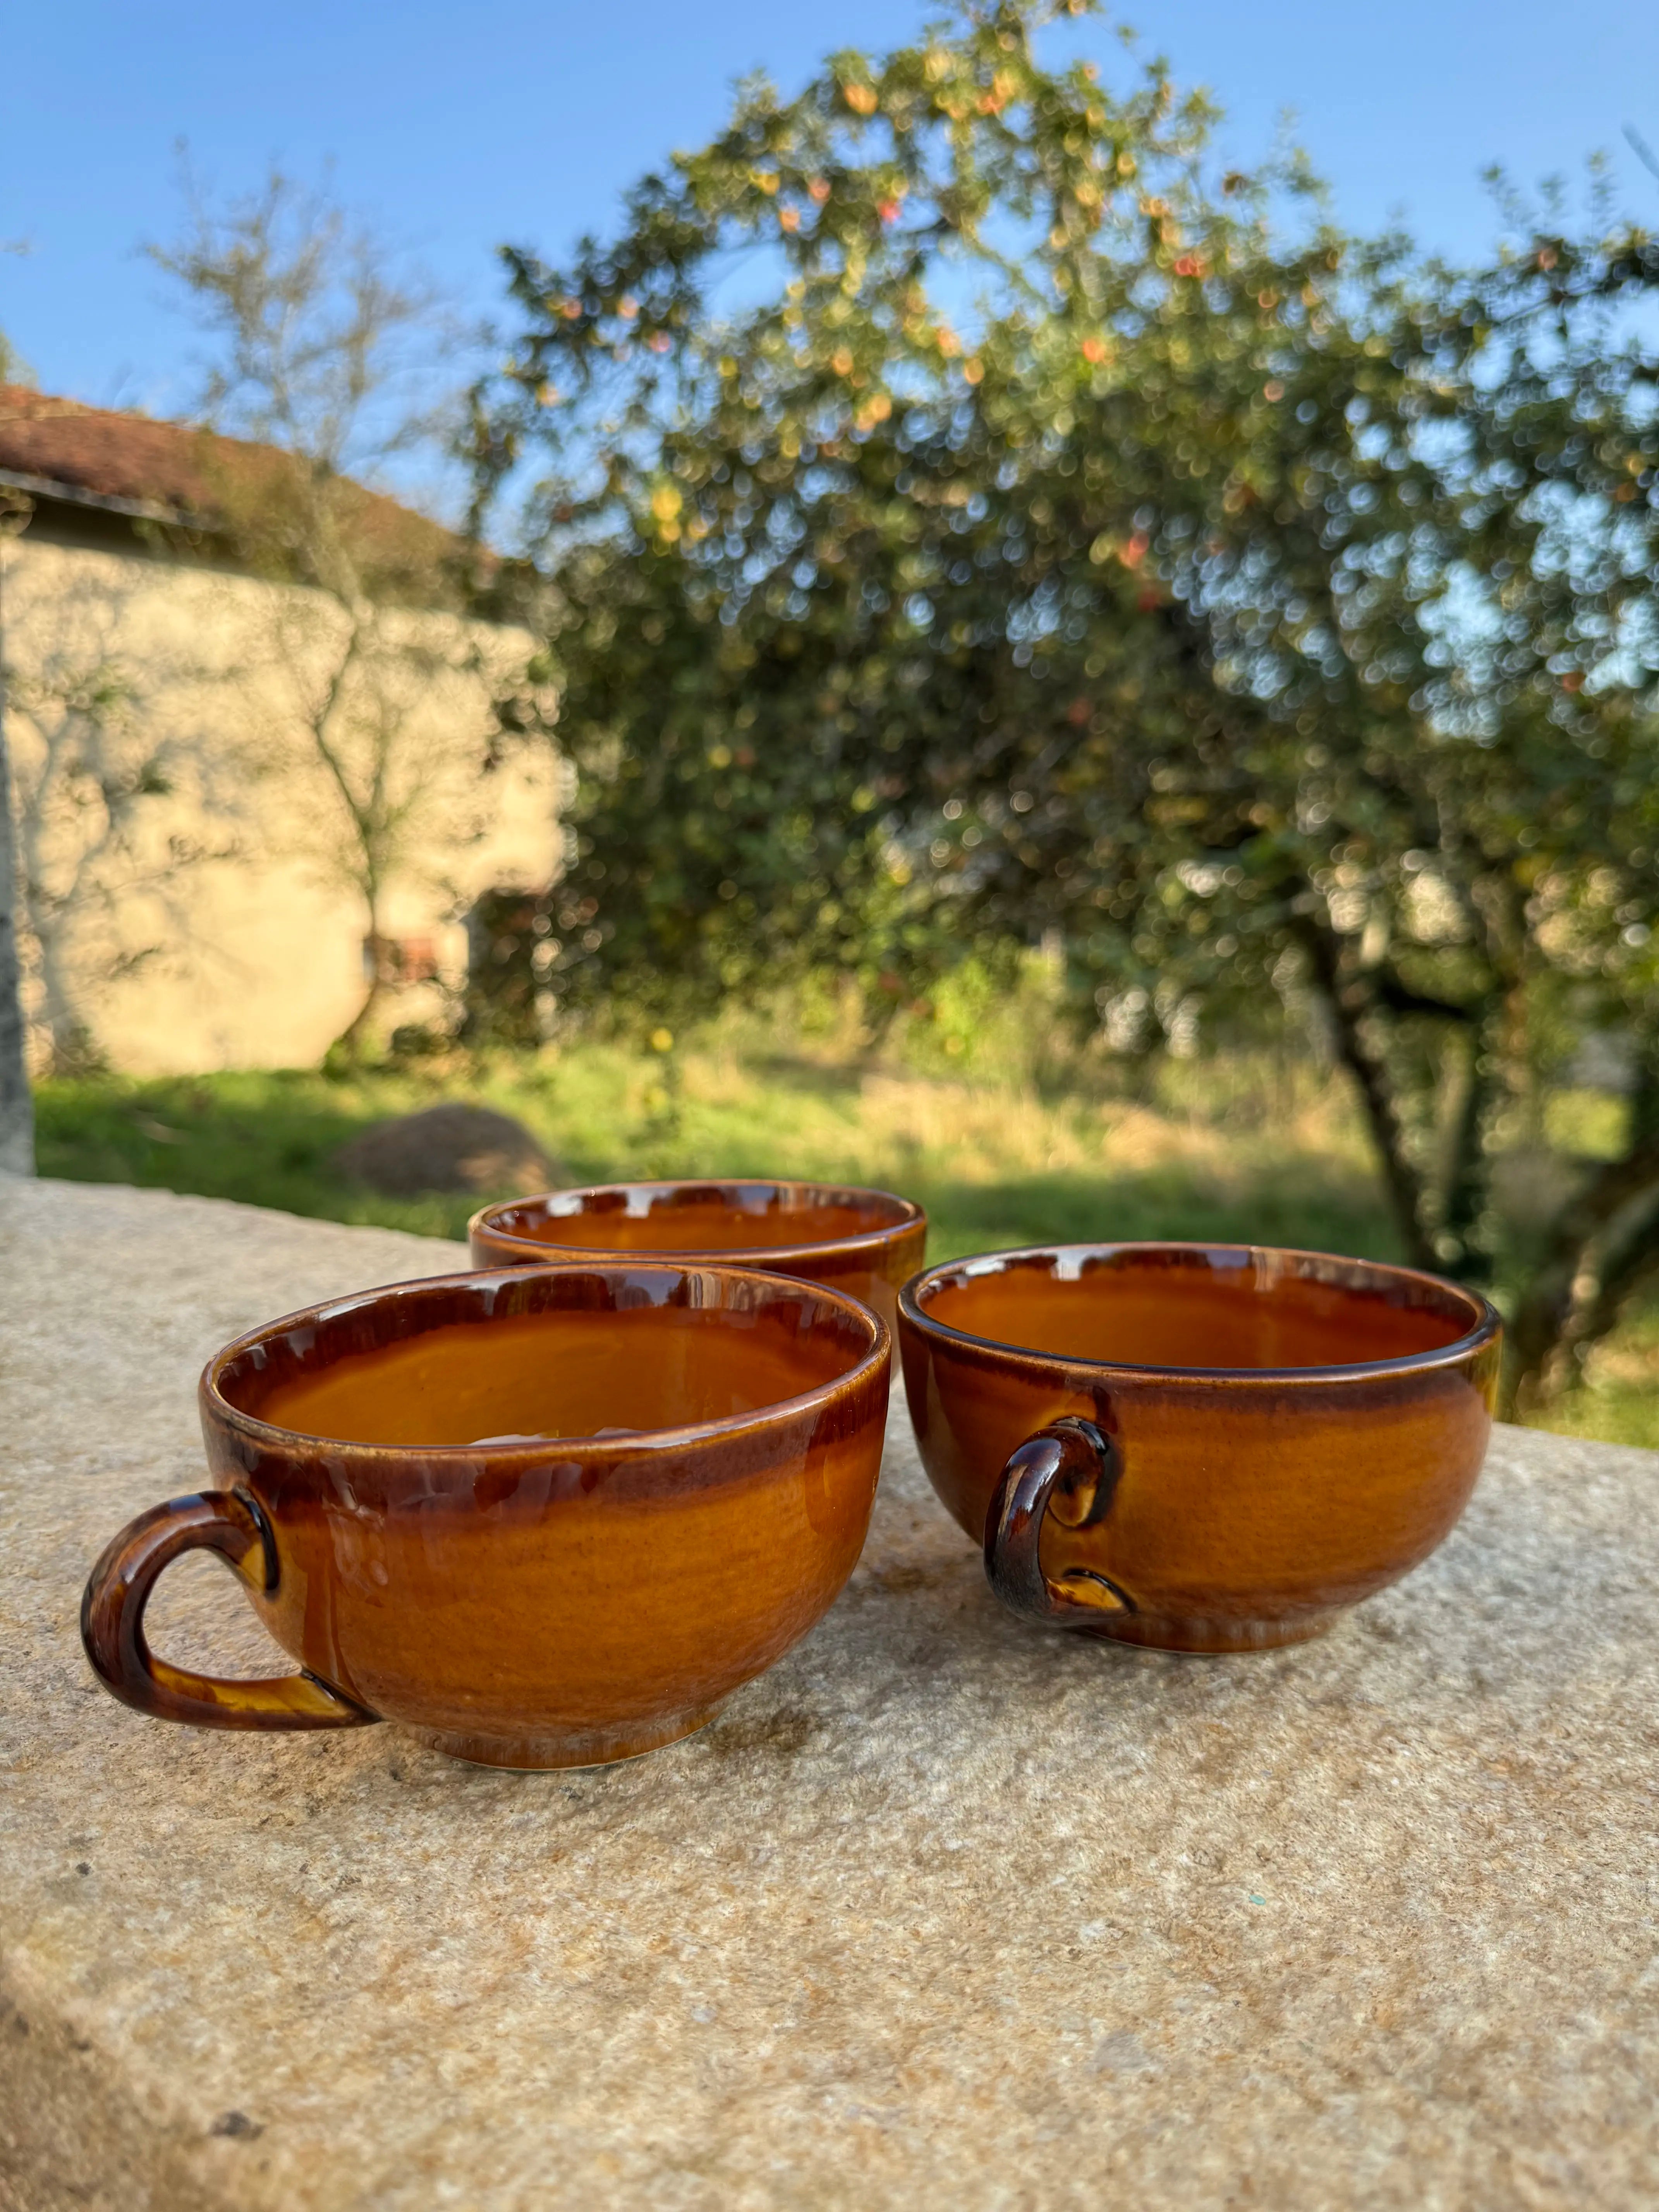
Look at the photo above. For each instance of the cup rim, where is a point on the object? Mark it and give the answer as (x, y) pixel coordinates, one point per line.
(908, 1215)
(605, 1448)
(1488, 1323)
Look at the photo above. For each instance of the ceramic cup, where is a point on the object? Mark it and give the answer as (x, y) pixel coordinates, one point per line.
(866, 1242)
(1201, 1448)
(538, 1517)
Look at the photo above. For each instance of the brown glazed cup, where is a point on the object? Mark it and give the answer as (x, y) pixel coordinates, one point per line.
(545, 1517)
(866, 1242)
(1201, 1448)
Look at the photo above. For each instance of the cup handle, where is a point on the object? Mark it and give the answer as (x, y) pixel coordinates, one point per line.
(1069, 1470)
(230, 1522)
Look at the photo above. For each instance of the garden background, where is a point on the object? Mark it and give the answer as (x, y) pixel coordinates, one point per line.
(1085, 692)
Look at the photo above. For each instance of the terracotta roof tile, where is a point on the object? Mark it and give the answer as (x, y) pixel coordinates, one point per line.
(171, 469)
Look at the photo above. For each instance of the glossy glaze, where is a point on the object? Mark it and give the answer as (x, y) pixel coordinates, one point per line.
(866, 1242)
(412, 1487)
(1204, 1448)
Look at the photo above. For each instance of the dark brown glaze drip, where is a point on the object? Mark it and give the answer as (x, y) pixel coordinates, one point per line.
(561, 1600)
(551, 1375)
(1200, 1308)
(866, 1242)
(702, 1217)
(1249, 1503)
(112, 1622)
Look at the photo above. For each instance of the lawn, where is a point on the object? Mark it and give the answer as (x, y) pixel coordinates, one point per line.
(992, 1161)
(998, 1155)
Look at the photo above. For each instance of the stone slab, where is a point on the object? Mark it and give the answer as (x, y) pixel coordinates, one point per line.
(945, 1911)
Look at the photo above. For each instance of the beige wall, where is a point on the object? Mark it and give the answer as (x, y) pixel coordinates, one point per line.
(217, 927)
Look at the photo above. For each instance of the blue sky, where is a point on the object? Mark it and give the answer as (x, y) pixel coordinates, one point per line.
(457, 127)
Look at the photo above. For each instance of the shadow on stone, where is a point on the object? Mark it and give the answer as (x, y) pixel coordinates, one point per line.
(781, 1732)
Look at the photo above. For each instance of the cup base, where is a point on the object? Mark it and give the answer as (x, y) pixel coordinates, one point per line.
(565, 1746)
(1157, 1634)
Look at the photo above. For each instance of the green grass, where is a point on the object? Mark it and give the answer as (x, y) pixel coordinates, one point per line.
(995, 1163)
(1620, 1401)
(264, 1138)
(999, 1153)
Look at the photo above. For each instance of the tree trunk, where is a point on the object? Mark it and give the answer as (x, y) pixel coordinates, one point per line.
(1585, 1274)
(1400, 1179)
(1466, 1167)
(1606, 1289)
(16, 1106)
(347, 1049)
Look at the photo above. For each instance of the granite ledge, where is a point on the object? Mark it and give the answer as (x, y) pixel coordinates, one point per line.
(944, 1909)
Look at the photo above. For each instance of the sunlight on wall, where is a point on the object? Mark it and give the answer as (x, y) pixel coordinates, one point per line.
(187, 862)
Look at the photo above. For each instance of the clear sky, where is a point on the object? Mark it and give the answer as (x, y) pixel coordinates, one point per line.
(459, 124)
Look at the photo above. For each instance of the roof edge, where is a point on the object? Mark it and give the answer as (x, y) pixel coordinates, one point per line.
(71, 494)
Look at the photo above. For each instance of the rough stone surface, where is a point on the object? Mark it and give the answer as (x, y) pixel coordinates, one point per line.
(943, 1911)
(453, 1146)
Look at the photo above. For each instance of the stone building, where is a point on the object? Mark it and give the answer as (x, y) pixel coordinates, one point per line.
(194, 894)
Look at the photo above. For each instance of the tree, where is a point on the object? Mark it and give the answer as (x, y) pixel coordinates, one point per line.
(814, 472)
(331, 367)
(1271, 614)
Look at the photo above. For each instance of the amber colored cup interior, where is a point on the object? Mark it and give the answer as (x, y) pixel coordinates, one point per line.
(520, 1357)
(701, 1216)
(1200, 1308)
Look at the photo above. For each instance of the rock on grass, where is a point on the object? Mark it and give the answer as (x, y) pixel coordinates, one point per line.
(449, 1147)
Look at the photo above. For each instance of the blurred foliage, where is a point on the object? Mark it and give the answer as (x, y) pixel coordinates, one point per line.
(507, 932)
(1057, 538)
